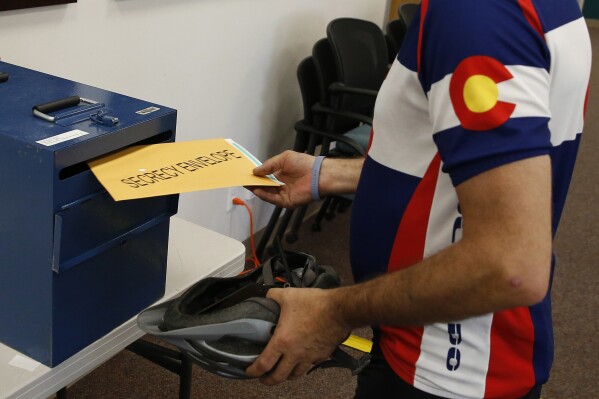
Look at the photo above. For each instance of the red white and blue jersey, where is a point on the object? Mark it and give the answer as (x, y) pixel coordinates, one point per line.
(477, 84)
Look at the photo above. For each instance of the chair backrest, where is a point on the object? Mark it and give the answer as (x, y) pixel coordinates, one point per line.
(407, 11)
(396, 30)
(360, 52)
(310, 90)
(361, 58)
(307, 78)
(326, 69)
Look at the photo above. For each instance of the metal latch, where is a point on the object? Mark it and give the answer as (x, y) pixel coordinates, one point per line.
(76, 109)
(42, 110)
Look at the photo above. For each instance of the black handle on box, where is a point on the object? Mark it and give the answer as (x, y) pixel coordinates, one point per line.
(58, 104)
(3, 77)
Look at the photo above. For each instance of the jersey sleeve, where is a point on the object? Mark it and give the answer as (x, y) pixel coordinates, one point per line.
(484, 66)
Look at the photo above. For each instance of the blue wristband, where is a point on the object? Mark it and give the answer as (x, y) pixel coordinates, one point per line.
(315, 175)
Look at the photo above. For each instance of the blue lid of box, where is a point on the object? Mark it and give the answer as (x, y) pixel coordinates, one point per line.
(25, 88)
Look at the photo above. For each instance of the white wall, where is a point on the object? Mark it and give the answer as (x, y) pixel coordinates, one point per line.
(227, 66)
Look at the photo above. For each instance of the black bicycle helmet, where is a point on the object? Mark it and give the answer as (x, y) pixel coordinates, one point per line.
(223, 324)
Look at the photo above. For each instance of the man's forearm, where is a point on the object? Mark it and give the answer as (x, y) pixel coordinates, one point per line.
(503, 260)
(339, 175)
(452, 285)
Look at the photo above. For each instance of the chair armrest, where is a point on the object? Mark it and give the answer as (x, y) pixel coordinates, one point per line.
(305, 127)
(346, 114)
(338, 87)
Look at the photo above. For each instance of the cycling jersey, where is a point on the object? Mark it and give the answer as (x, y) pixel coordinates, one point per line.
(477, 84)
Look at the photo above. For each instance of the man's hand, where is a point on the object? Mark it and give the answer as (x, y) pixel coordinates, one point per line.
(337, 176)
(292, 168)
(308, 331)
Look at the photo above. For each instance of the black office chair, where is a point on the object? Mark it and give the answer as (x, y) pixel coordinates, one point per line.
(352, 124)
(314, 75)
(395, 32)
(330, 116)
(304, 142)
(406, 12)
(309, 134)
(361, 58)
(317, 114)
(350, 65)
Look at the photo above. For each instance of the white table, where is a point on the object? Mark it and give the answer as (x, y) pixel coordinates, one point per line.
(194, 253)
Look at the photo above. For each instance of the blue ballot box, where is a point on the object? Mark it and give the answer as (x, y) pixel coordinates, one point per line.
(74, 264)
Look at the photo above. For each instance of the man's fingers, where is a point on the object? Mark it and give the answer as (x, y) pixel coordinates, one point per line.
(280, 373)
(264, 363)
(269, 166)
(263, 170)
(263, 192)
(277, 295)
(269, 194)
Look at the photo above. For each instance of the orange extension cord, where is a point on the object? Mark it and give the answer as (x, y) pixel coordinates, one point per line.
(254, 259)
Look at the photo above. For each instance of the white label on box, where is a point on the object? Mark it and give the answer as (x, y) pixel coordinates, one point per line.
(60, 138)
(148, 110)
(24, 363)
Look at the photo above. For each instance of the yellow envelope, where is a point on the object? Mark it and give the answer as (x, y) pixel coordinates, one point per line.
(171, 168)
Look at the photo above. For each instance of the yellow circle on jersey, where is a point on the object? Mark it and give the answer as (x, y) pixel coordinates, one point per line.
(480, 93)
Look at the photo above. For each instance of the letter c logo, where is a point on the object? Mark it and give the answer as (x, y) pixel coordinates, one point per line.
(474, 93)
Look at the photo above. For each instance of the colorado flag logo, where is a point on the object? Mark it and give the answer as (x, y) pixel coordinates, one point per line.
(475, 96)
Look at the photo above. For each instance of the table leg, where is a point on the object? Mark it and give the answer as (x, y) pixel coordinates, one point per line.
(170, 359)
(185, 375)
(62, 393)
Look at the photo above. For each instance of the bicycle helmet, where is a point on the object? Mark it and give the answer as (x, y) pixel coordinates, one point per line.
(223, 324)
